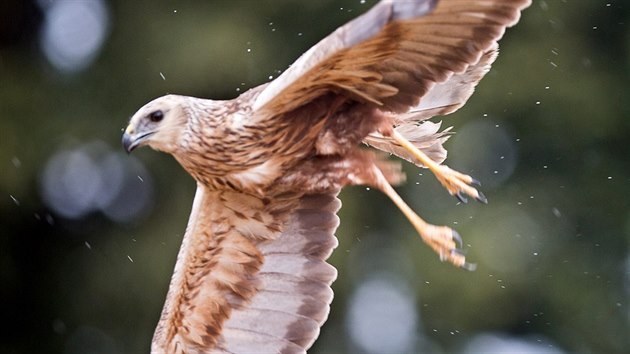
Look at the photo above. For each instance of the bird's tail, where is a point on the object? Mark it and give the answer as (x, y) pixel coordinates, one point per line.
(426, 136)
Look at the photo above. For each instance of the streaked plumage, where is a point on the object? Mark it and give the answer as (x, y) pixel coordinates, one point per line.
(251, 274)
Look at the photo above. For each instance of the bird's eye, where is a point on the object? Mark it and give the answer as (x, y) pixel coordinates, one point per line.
(156, 116)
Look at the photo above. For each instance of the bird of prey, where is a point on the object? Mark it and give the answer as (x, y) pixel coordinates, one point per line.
(251, 274)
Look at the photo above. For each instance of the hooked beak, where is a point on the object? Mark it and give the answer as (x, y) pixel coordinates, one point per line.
(131, 142)
(128, 143)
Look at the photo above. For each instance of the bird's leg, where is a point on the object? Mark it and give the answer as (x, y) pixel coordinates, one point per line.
(442, 239)
(457, 184)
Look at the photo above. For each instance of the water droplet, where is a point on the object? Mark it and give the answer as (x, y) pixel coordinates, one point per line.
(162, 76)
(17, 202)
(129, 257)
(87, 244)
(556, 212)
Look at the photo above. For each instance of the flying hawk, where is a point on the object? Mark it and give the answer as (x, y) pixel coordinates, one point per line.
(251, 274)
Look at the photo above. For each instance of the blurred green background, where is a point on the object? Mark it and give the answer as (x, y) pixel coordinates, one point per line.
(89, 235)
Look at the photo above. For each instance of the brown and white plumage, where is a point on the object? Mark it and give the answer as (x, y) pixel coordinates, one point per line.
(232, 280)
(251, 274)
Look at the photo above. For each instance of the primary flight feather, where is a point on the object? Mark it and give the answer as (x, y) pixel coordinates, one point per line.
(251, 274)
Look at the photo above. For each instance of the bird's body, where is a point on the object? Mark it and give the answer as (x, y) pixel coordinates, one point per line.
(251, 274)
(257, 151)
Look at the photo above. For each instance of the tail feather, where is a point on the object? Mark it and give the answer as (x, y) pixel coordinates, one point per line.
(425, 136)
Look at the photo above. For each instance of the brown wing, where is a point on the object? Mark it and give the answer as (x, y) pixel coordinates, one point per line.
(394, 54)
(443, 98)
(240, 285)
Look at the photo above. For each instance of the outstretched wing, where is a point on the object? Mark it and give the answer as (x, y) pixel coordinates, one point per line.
(402, 55)
(240, 285)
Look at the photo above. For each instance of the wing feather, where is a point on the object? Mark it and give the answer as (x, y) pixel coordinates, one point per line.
(294, 296)
(244, 341)
(394, 54)
(317, 58)
(237, 289)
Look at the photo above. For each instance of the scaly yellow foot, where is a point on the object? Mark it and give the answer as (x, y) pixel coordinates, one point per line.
(442, 239)
(457, 184)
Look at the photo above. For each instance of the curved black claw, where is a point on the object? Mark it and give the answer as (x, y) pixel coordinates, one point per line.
(467, 266)
(481, 198)
(461, 197)
(475, 182)
(457, 238)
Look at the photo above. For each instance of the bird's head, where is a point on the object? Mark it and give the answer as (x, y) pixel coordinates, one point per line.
(158, 124)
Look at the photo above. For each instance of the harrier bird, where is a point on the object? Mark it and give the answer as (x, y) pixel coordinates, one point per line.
(251, 274)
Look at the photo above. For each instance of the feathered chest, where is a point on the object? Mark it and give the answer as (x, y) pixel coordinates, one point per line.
(242, 151)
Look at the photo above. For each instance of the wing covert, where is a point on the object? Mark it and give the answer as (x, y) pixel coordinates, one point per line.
(393, 60)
